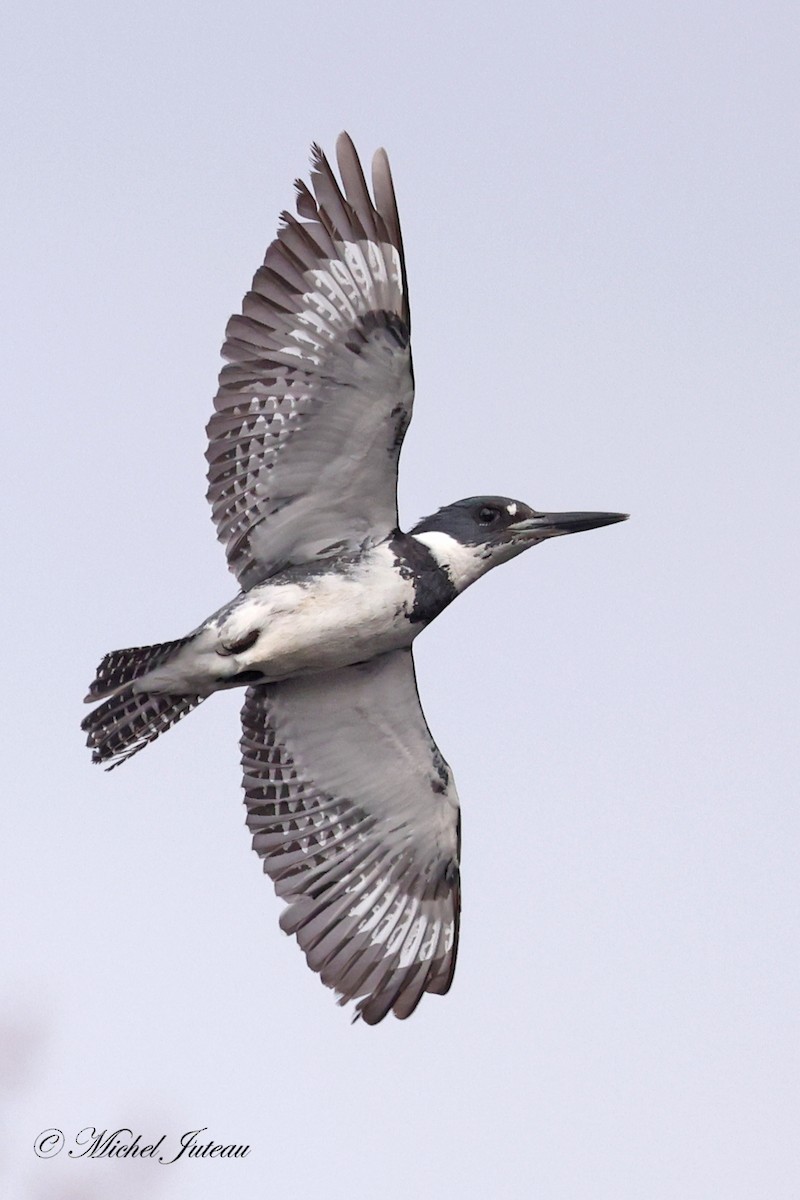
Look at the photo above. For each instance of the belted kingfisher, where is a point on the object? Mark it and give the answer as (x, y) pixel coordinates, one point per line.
(351, 805)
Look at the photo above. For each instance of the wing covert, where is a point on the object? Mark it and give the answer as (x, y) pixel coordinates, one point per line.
(355, 814)
(312, 409)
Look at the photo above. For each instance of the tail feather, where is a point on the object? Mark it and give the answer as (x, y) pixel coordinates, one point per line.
(123, 666)
(126, 722)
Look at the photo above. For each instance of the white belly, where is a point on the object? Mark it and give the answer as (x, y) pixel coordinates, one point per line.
(330, 622)
(327, 621)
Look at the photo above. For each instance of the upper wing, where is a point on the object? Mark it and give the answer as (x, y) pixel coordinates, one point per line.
(311, 412)
(356, 816)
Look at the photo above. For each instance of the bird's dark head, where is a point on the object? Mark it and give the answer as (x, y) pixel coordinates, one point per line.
(470, 537)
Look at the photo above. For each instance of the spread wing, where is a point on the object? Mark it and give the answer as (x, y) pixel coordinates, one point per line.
(312, 409)
(356, 817)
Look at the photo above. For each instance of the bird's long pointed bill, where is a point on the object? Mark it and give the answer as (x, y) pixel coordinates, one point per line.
(545, 525)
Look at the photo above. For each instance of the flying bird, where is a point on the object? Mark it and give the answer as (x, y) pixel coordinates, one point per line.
(351, 805)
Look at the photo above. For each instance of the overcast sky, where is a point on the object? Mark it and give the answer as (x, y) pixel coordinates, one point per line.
(599, 204)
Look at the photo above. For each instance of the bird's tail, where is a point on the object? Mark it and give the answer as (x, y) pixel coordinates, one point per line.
(126, 722)
(123, 666)
(129, 719)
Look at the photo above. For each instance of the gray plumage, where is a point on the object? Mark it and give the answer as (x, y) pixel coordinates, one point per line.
(358, 829)
(352, 808)
(301, 457)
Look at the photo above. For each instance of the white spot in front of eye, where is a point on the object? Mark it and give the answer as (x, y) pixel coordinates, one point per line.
(512, 510)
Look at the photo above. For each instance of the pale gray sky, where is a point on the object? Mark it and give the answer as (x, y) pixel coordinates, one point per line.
(599, 205)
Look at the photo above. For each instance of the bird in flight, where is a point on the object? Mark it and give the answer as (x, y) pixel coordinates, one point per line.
(351, 805)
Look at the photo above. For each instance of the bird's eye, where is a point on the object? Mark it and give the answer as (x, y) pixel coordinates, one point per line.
(487, 515)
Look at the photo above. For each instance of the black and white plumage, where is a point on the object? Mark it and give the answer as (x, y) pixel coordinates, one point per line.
(356, 817)
(351, 805)
(301, 457)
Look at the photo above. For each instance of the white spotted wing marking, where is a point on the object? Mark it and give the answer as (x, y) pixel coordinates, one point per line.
(356, 817)
(311, 412)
